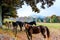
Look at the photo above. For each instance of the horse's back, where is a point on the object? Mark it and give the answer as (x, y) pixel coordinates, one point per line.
(14, 24)
(36, 30)
(31, 23)
(19, 22)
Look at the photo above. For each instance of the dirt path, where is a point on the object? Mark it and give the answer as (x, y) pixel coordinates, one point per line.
(54, 34)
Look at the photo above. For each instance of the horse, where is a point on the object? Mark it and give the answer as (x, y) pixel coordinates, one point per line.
(8, 24)
(35, 30)
(31, 23)
(20, 24)
(15, 25)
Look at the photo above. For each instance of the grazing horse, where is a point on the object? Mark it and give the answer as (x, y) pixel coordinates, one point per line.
(20, 24)
(8, 24)
(35, 30)
(15, 25)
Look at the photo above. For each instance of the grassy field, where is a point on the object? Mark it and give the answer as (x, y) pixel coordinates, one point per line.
(51, 25)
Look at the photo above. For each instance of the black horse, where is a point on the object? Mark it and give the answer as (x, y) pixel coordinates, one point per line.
(8, 24)
(20, 24)
(15, 25)
(31, 23)
(35, 30)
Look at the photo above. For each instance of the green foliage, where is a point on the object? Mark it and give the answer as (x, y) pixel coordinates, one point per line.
(41, 20)
(38, 20)
(32, 3)
(48, 20)
(10, 6)
(53, 18)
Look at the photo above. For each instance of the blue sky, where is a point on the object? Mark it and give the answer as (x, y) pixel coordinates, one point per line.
(27, 11)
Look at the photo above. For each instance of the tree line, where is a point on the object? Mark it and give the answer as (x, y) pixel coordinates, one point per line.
(52, 19)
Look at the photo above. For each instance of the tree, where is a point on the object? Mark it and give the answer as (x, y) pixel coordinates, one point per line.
(47, 19)
(38, 20)
(53, 19)
(0, 17)
(32, 3)
(9, 5)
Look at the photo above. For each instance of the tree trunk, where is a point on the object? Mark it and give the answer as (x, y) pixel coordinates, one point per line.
(0, 17)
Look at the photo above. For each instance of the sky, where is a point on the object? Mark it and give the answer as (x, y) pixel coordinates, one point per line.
(27, 11)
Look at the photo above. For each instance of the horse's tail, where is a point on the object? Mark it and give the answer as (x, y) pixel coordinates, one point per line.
(48, 32)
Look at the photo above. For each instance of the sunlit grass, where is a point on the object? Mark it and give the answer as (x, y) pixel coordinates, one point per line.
(51, 25)
(7, 31)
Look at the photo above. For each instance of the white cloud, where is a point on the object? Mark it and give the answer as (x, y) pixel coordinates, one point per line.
(26, 10)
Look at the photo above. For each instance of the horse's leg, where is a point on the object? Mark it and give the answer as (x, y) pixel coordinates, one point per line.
(15, 30)
(47, 33)
(20, 28)
(8, 26)
(43, 33)
(31, 36)
(30, 33)
(27, 35)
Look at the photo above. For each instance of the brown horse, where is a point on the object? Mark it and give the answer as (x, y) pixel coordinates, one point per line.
(35, 30)
(8, 24)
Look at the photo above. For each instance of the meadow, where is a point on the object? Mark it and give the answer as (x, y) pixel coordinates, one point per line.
(53, 27)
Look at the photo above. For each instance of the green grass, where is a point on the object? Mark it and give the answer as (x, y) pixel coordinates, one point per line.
(51, 25)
